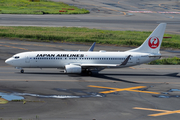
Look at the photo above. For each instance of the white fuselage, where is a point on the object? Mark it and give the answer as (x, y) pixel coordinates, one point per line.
(58, 59)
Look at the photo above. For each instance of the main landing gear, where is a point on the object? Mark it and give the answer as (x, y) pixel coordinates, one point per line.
(87, 72)
(22, 71)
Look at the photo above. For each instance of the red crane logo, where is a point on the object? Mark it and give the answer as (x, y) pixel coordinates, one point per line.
(153, 42)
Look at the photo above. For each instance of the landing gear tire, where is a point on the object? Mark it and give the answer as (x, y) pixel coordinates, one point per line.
(22, 71)
(89, 73)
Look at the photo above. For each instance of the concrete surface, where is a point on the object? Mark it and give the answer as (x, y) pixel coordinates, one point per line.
(51, 94)
(107, 14)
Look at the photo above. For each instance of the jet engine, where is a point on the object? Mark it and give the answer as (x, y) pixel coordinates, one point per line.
(72, 69)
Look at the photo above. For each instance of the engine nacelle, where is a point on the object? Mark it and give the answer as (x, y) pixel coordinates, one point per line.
(72, 69)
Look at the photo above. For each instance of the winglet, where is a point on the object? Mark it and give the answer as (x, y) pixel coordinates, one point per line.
(92, 47)
(125, 61)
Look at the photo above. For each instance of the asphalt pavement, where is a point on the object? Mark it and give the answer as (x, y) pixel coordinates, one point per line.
(140, 92)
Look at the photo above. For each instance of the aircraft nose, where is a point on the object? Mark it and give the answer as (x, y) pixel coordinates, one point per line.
(8, 61)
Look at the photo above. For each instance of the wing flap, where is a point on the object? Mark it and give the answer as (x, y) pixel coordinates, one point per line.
(106, 65)
(98, 65)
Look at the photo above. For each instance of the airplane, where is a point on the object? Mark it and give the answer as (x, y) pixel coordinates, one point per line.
(87, 61)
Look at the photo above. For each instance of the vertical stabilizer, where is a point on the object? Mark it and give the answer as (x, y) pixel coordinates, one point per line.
(153, 42)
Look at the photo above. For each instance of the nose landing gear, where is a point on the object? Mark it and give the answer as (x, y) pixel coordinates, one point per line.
(21, 69)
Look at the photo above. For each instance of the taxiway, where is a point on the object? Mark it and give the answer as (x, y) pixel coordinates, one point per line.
(135, 15)
(139, 92)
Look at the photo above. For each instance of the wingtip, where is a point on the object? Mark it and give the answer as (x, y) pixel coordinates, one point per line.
(92, 47)
(125, 61)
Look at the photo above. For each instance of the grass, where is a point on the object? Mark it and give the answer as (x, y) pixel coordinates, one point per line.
(42, 7)
(74, 34)
(166, 61)
(3, 101)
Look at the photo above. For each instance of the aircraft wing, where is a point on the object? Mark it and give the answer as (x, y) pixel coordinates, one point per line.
(98, 65)
(104, 65)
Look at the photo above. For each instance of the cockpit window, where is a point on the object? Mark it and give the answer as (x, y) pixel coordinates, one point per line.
(16, 57)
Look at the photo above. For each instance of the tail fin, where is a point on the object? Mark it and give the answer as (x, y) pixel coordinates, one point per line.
(153, 42)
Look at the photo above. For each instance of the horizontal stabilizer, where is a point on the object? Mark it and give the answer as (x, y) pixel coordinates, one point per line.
(155, 55)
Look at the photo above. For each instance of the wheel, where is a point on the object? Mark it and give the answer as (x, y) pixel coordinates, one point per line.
(89, 73)
(22, 71)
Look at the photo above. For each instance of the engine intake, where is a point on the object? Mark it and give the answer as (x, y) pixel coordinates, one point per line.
(72, 69)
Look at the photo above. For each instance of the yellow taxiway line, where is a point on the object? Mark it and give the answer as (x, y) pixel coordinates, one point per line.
(123, 89)
(165, 112)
